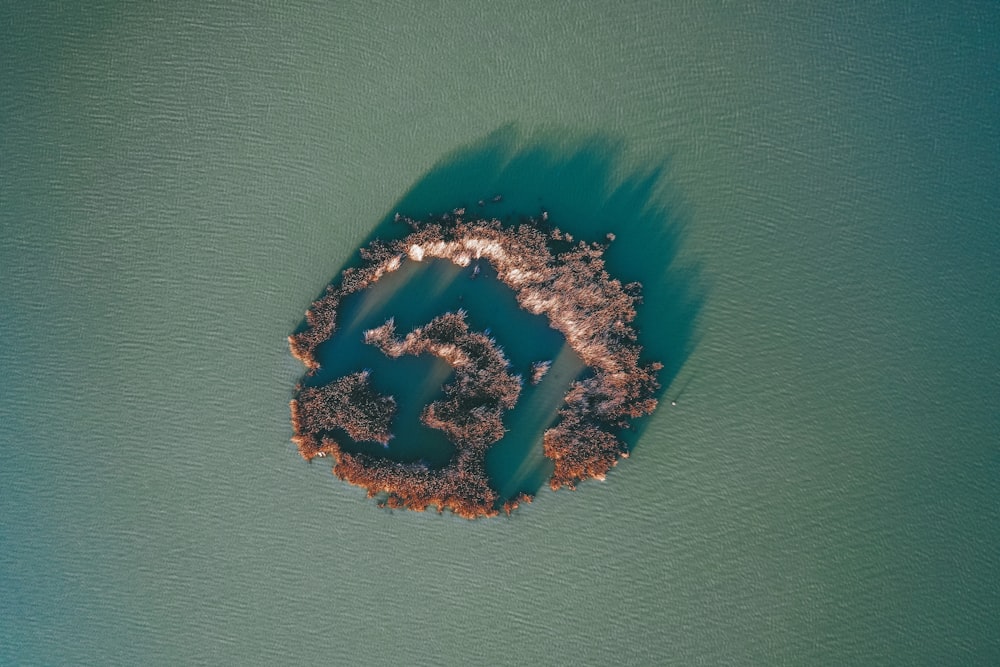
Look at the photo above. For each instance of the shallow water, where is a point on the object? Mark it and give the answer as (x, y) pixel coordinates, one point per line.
(807, 194)
(414, 295)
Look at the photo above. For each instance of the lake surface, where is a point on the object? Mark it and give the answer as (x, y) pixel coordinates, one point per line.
(808, 195)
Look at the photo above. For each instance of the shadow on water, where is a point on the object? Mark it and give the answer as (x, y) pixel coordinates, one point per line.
(582, 183)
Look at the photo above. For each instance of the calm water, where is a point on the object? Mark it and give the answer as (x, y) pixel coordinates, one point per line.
(809, 195)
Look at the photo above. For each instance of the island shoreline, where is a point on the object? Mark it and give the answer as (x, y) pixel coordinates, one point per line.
(550, 274)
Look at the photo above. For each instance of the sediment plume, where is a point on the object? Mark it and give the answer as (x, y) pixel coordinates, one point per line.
(550, 274)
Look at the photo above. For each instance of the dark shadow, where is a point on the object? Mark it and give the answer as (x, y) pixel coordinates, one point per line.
(581, 182)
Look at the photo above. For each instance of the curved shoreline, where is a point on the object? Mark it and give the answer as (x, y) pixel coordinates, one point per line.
(570, 287)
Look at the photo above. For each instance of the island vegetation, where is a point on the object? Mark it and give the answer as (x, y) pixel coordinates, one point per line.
(550, 274)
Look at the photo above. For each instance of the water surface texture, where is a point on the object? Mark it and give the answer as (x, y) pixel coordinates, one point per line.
(179, 180)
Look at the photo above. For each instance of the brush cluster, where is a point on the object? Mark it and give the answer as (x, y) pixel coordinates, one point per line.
(550, 274)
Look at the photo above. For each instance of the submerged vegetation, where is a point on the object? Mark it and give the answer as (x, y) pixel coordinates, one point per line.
(550, 274)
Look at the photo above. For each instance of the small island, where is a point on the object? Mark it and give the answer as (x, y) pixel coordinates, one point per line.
(550, 275)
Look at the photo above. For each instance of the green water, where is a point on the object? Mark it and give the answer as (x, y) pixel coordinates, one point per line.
(808, 193)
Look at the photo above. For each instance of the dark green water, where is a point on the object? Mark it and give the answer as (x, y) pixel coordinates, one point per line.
(808, 193)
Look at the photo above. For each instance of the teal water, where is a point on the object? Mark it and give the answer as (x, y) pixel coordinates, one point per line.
(412, 296)
(178, 182)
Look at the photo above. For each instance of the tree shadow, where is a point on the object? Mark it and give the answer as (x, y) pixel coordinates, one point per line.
(582, 183)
